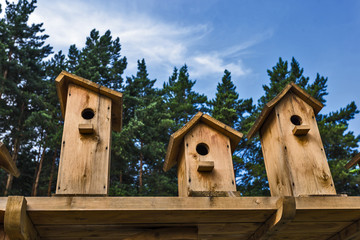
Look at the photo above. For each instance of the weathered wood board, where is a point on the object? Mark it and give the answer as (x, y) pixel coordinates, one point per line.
(85, 158)
(221, 178)
(296, 164)
(317, 217)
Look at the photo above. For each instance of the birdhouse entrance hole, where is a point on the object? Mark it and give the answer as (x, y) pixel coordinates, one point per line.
(88, 113)
(202, 149)
(296, 120)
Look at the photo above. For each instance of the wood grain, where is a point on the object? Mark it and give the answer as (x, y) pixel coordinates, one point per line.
(86, 128)
(85, 159)
(309, 171)
(221, 178)
(317, 217)
(301, 130)
(17, 224)
(295, 164)
(205, 166)
(285, 213)
(179, 233)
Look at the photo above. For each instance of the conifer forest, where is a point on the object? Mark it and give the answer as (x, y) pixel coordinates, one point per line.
(31, 122)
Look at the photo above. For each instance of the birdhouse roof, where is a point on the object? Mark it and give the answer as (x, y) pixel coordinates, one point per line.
(177, 138)
(62, 84)
(291, 87)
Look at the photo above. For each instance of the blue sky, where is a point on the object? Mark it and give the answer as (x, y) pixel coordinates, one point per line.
(246, 37)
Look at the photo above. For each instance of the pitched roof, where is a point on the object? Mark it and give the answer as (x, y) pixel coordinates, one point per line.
(177, 138)
(62, 84)
(291, 87)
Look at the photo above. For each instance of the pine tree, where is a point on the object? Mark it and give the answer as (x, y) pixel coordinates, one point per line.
(226, 103)
(143, 137)
(181, 100)
(100, 60)
(21, 85)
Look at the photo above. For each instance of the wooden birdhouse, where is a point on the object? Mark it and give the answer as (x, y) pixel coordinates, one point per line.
(90, 111)
(202, 150)
(294, 155)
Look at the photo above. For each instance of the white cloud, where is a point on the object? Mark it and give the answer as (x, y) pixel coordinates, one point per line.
(162, 44)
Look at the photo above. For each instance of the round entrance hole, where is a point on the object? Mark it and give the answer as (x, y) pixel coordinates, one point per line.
(202, 149)
(296, 120)
(88, 113)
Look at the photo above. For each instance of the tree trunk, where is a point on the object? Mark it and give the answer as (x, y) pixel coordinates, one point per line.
(52, 172)
(14, 157)
(39, 171)
(5, 75)
(141, 167)
(121, 177)
(37, 167)
(3, 83)
(15, 152)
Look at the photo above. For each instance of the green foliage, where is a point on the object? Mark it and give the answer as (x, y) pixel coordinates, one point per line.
(180, 98)
(22, 53)
(100, 60)
(143, 138)
(225, 106)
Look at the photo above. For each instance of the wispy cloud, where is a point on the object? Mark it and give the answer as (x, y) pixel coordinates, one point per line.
(163, 44)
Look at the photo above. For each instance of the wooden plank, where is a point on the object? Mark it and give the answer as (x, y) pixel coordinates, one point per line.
(301, 130)
(301, 235)
(222, 178)
(285, 214)
(327, 209)
(228, 229)
(205, 166)
(350, 232)
(114, 210)
(182, 173)
(276, 164)
(65, 78)
(17, 224)
(189, 233)
(314, 227)
(291, 87)
(354, 160)
(85, 231)
(6, 161)
(305, 155)
(85, 159)
(86, 128)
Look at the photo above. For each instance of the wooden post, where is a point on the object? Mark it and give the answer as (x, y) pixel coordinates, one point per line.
(285, 214)
(17, 223)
